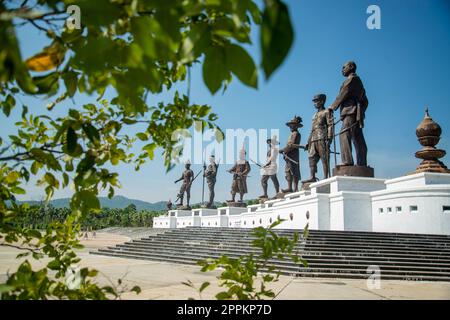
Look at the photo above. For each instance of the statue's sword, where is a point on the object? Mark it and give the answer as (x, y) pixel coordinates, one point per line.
(203, 185)
(256, 163)
(334, 143)
(304, 147)
(290, 159)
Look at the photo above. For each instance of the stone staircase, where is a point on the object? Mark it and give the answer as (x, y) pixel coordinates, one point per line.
(330, 254)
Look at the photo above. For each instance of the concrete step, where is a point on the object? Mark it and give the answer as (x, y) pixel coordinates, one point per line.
(309, 240)
(367, 236)
(344, 263)
(329, 253)
(299, 271)
(410, 243)
(328, 233)
(311, 246)
(305, 254)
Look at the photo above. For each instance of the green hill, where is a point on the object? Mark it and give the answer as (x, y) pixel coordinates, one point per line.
(117, 202)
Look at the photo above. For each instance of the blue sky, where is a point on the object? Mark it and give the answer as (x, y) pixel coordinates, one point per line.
(405, 66)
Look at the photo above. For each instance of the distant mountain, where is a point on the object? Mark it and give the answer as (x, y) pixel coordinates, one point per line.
(117, 202)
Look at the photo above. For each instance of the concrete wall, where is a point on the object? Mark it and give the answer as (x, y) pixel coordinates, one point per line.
(341, 203)
(415, 203)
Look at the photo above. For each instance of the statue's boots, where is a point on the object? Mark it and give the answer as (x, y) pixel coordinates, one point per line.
(289, 188)
(265, 192)
(295, 184)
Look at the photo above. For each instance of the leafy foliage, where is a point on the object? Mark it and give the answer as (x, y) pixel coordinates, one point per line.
(135, 50)
(42, 216)
(240, 276)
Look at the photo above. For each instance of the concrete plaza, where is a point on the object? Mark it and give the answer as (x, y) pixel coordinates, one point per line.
(160, 280)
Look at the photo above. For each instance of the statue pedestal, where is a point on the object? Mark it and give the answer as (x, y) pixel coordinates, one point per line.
(354, 171)
(205, 206)
(202, 212)
(262, 200)
(236, 204)
(183, 208)
(281, 195)
(306, 184)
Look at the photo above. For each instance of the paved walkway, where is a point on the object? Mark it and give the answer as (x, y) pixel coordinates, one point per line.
(164, 280)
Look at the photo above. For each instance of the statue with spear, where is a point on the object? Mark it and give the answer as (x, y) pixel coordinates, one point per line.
(187, 177)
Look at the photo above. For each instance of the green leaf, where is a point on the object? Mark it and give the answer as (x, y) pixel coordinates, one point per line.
(140, 28)
(50, 179)
(204, 286)
(12, 65)
(214, 68)
(74, 114)
(142, 136)
(196, 41)
(111, 192)
(65, 179)
(71, 81)
(136, 289)
(47, 84)
(35, 167)
(18, 190)
(219, 135)
(99, 12)
(242, 65)
(12, 177)
(88, 200)
(277, 36)
(150, 149)
(5, 288)
(223, 296)
(92, 133)
(24, 111)
(54, 265)
(306, 231)
(8, 105)
(71, 141)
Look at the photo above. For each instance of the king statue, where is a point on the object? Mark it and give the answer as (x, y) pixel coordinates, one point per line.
(352, 102)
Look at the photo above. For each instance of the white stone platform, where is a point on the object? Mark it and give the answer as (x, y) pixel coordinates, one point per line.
(417, 203)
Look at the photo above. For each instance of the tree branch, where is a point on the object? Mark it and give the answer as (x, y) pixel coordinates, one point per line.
(27, 154)
(36, 25)
(20, 247)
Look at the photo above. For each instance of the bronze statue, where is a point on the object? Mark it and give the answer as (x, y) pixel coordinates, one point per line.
(210, 174)
(187, 177)
(320, 138)
(169, 205)
(353, 103)
(269, 170)
(291, 155)
(240, 171)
